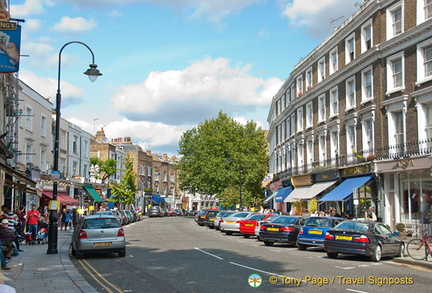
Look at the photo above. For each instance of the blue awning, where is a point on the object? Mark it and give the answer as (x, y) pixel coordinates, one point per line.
(283, 193)
(270, 197)
(157, 198)
(345, 189)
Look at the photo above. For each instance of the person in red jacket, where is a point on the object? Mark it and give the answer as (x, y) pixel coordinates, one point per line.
(32, 221)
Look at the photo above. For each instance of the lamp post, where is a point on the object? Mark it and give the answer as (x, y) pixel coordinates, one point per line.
(92, 73)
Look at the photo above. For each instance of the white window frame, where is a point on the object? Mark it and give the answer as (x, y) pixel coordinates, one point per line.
(29, 118)
(288, 96)
(391, 88)
(421, 72)
(422, 10)
(365, 84)
(321, 70)
(288, 127)
(299, 84)
(322, 108)
(364, 39)
(350, 97)
(334, 144)
(390, 22)
(322, 148)
(333, 60)
(422, 104)
(293, 92)
(293, 124)
(309, 153)
(368, 139)
(300, 119)
(309, 115)
(334, 102)
(43, 159)
(351, 139)
(300, 156)
(348, 49)
(392, 106)
(309, 79)
(43, 125)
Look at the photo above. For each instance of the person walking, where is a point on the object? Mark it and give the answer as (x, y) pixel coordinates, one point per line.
(7, 237)
(66, 218)
(33, 220)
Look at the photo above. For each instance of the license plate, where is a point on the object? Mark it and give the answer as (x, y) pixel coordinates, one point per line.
(342, 237)
(272, 229)
(102, 244)
(202, 217)
(249, 225)
(229, 222)
(317, 232)
(211, 220)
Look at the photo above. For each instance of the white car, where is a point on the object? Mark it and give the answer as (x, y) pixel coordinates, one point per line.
(221, 215)
(230, 225)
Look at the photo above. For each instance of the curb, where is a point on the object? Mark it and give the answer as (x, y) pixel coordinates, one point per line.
(408, 260)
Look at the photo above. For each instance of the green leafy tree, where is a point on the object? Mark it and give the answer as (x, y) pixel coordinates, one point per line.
(124, 192)
(221, 156)
(103, 169)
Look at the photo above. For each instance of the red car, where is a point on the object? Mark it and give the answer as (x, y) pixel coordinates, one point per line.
(247, 227)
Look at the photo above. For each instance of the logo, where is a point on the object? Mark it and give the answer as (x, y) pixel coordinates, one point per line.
(254, 280)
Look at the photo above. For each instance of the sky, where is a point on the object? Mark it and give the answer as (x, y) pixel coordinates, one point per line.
(168, 65)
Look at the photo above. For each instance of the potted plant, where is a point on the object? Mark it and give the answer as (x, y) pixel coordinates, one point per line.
(400, 227)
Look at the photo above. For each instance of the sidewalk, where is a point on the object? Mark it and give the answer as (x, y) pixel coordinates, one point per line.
(36, 271)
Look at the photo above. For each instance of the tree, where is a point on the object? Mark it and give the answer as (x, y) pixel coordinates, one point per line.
(124, 192)
(221, 155)
(103, 169)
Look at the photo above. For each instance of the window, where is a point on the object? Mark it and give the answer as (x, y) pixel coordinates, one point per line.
(309, 115)
(395, 73)
(424, 61)
(292, 124)
(28, 152)
(309, 154)
(396, 109)
(43, 162)
(300, 154)
(367, 136)
(321, 69)
(75, 145)
(322, 153)
(349, 49)
(350, 94)
(293, 92)
(309, 79)
(394, 20)
(424, 10)
(321, 108)
(334, 102)
(283, 131)
(287, 97)
(62, 139)
(334, 145)
(366, 36)
(43, 125)
(299, 86)
(333, 60)
(288, 127)
(367, 93)
(351, 141)
(29, 118)
(299, 120)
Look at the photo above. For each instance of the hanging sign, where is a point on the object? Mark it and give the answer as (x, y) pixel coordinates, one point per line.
(10, 43)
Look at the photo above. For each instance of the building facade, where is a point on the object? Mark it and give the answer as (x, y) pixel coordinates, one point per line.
(360, 104)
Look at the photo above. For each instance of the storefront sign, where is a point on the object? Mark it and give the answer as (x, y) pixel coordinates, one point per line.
(303, 180)
(10, 43)
(357, 170)
(326, 176)
(404, 163)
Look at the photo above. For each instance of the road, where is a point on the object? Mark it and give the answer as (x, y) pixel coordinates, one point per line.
(176, 255)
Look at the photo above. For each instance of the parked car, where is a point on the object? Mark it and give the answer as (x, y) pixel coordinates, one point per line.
(124, 217)
(135, 214)
(314, 230)
(129, 216)
(367, 238)
(117, 215)
(165, 212)
(202, 216)
(283, 229)
(210, 218)
(231, 224)
(247, 226)
(259, 223)
(98, 234)
(221, 215)
(155, 211)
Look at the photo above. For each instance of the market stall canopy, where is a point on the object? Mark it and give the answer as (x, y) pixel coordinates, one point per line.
(308, 192)
(93, 193)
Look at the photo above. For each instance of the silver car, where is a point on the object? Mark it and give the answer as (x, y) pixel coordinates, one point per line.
(230, 225)
(98, 234)
(221, 215)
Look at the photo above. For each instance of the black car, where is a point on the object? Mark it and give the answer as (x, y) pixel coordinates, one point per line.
(210, 217)
(282, 229)
(367, 238)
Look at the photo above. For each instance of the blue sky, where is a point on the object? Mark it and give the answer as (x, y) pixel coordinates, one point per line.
(168, 65)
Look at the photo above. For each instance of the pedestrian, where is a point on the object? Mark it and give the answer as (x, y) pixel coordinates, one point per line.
(65, 220)
(13, 221)
(7, 237)
(371, 215)
(33, 220)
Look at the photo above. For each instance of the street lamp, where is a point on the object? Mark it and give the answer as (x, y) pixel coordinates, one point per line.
(92, 73)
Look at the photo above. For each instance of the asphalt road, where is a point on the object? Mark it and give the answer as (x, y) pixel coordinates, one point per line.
(176, 255)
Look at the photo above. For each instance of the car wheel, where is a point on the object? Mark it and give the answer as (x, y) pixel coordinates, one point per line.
(122, 253)
(376, 256)
(332, 254)
(211, 227)
(73, 250)
(79, 254)
(246, 236)
(401, 250)
(268, 243)
(301, 246)
(229, 233)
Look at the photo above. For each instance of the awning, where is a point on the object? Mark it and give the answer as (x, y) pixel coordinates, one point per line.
(157, 198)
(63, 197)
(169, 200)
(283, 193)
(270, 197)
(345, 189)
(93, 193)
(308, 192)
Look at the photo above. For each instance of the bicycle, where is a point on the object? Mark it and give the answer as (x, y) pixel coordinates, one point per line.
(420, 248)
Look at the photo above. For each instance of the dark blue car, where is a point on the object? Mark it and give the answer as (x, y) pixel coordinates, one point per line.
(314, 230)
(283, 229)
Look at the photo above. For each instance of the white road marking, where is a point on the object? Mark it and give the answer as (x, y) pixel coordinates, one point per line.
(218, 257)
(352, 290)
(345, 268)
(254, 269)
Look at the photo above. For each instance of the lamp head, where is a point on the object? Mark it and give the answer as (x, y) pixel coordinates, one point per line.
(92, 72)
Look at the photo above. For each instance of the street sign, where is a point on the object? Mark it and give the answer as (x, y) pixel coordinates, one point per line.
(55, 175)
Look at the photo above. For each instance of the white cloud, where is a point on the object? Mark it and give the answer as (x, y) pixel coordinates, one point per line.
(207, 83)
(74, 25)
(318, 15)
(47, 87)
(114, 13)
(32, 25)
(30, 8)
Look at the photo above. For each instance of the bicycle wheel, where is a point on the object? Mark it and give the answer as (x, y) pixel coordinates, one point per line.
(416, 249)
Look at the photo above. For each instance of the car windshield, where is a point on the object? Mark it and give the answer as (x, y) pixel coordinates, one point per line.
(227, 214)
(101, 223)
(353, 226)
(284, 220)
(240, 215)
(257, 217)
(212, 213)
(271, 218)
(319, 222)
